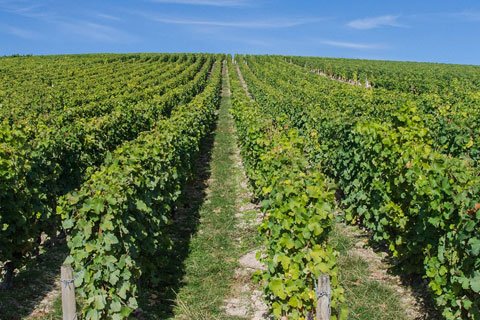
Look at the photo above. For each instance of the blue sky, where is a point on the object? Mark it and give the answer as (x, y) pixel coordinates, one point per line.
(438, 31)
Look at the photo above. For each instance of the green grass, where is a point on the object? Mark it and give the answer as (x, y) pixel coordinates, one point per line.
(214, 250)
(198, 273)
(366, 298)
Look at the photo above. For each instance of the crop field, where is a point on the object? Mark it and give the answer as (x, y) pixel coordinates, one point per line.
(211, 186)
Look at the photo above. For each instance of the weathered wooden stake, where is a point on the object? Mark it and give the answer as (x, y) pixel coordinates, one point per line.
(69, 307)
(323, 294)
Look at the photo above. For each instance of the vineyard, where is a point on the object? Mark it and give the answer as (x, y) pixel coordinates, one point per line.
(99, 151)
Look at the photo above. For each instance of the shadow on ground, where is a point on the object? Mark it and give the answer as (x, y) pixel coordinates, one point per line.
(419, 288)
(355, 271)
(32, 284)
(157, 302)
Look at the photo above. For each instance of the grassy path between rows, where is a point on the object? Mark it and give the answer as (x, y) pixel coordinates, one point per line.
(220, 239)
(373, 289)
(368, 293)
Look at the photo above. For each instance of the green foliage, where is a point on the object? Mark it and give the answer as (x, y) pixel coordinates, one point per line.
(448, 95)
(122, 130)
(397, 177)
(410, 77)
(14, 195)
(116, 220)
(60, 150)
(298, 204)
(416, 201)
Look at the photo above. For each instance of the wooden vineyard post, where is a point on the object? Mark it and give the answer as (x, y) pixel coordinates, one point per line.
(323, 296)
(69, 307)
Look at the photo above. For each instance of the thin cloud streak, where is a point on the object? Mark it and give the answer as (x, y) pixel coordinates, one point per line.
(253, 24)
(445, 17)
(214, 3)
(468, 15)
(95, 31)
(108, 17)
(24, 9)
(375, 22)
(21, 33)
(353, 45)
(85, 29)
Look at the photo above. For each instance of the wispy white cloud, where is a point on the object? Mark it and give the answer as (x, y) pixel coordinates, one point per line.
(20, 32)
(24, 9)
(94, 31)
(468, 15)
(108, 17)
(353, 45)
(215, 3)
(66, 22)
(249, 24)
(375, 22)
